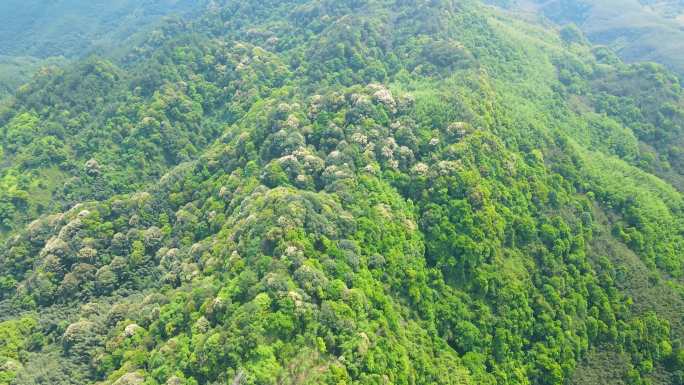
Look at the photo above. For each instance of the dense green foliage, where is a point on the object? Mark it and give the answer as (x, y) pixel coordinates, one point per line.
(345, 192)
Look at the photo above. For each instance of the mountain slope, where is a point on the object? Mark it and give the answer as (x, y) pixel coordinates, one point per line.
(360, 192)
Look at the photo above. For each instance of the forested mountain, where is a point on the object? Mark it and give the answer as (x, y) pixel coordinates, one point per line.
(344, 192)
(639, 30)
(36, 33)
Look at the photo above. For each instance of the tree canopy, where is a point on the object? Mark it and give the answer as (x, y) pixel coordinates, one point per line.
(344, 192)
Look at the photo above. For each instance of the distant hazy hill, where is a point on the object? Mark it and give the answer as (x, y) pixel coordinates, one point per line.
(70, 27)
(32, 31)
(640, 30)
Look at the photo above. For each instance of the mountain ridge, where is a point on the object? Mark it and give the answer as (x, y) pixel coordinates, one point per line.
(362, 192)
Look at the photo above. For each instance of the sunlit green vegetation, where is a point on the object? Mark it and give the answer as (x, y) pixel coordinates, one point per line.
(344, 192)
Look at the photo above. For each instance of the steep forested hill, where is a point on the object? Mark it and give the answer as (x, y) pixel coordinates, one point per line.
(344, 192)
